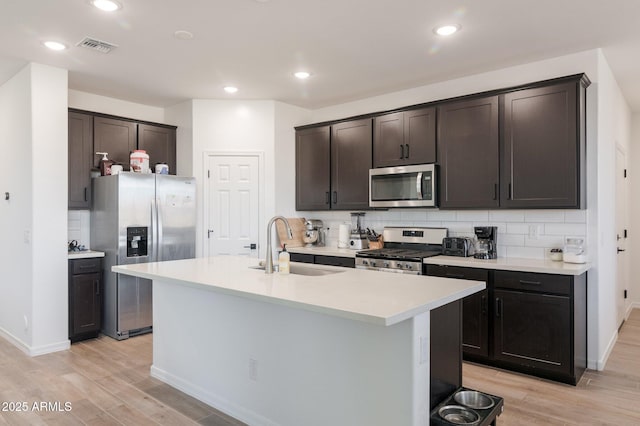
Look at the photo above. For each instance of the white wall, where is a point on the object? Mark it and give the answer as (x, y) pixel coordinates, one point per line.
(16, 177)
(604, 102)
(181, 115)
(112, 106)
(33, 256)
(49, 194)
(634, 229)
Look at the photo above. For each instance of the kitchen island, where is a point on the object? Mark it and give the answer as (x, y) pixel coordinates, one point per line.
(323, 345)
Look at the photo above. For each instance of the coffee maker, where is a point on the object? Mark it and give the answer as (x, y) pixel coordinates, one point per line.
(486, 247)
(314, 234)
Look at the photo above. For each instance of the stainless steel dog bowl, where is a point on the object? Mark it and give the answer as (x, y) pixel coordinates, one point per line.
(473, 399)
(459, 415)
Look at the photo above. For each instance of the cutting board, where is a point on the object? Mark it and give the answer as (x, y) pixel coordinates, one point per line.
(297, 229)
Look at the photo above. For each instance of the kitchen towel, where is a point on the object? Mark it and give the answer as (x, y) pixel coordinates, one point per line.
(344, 234)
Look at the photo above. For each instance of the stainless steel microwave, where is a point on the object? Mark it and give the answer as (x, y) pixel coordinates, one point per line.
(403, 186)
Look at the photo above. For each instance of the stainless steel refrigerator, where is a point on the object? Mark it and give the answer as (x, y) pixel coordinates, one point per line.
(139, 218)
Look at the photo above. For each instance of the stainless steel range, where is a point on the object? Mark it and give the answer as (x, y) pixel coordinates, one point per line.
(404, 249)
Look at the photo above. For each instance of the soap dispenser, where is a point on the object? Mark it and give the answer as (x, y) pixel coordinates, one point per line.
(284, 261)
(105, 164)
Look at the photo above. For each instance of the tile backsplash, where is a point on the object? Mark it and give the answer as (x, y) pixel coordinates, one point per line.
(521, 233)
(78, 227)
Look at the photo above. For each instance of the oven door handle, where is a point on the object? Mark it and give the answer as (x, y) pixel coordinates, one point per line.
(419, 185)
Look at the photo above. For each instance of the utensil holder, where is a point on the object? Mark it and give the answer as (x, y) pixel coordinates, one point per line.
(377, 244)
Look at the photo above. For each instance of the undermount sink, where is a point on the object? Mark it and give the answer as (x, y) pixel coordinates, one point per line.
(304, 270)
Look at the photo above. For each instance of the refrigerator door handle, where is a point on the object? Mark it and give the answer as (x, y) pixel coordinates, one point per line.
(159, 242)
(154, 240)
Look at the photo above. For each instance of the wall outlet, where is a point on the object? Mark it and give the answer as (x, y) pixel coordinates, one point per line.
(26, 323)
(534, 232)
(424, 350)
(253, 369)
(27, 236)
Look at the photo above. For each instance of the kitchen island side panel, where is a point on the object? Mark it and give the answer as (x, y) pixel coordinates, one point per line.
(268, 364)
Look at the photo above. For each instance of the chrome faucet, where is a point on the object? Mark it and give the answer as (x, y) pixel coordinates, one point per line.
(268, 267)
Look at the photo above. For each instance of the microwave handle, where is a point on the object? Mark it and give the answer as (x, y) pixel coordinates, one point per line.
(419, 185)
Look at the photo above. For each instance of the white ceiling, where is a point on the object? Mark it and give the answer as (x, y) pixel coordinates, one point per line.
(354, 48)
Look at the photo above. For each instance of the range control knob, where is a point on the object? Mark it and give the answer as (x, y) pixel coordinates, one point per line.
(385, 264)
(408, 266)
(365, 262)
(373, 263)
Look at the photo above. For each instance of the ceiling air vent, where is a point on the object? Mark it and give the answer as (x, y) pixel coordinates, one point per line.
(97, 45)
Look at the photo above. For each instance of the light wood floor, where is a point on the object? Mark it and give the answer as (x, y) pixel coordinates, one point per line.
(108, 383)
(608, 397)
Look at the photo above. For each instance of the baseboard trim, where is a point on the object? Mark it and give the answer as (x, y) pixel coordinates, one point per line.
(34, 350)
(217, 402)
(603, 361)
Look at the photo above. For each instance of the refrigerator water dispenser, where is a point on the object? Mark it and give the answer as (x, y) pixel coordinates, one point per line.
(137, 241)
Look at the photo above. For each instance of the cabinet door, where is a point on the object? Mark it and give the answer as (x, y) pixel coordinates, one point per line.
(420, 136)
(541, 148)
(388, 140)
(160, 144)
(351, 159)
(468, 151)
(313, 168)
(117, 137)
(85, 304)
(533, 330)
(405, 138)
(80, 160)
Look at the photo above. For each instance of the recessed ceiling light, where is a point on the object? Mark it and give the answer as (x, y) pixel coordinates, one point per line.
(106, 5)
(183, 35)
(231, 89)
(447, 30)
(54, 45)
(302, 75)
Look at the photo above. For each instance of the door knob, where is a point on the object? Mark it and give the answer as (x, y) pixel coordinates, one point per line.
(619, 250)
(252, 246)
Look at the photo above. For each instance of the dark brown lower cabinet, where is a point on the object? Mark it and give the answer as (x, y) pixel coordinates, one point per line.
(347, 262)
(85, 298)
(532, 330)
(527, 322)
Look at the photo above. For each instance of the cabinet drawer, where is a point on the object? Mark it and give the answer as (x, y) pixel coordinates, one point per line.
(86, 266)
(301, 257)
(458, 272)
(540, 283)
(347, 262)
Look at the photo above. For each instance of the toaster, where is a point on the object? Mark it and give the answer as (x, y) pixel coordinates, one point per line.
(458, 246)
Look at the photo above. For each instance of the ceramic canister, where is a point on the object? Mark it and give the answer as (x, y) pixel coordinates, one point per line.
(162, 169)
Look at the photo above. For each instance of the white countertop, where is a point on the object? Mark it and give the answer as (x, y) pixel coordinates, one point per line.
(324, 251)
(376, 297)
(85, 254)
(512, 264)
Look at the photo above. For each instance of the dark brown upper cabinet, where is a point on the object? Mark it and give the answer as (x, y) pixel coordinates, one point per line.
(313, 168)
(468, 146)
(543, 147)
(404, 138)
(117, 137)
(351, 154)
(160, 144)
(80, 159)
(332, 166)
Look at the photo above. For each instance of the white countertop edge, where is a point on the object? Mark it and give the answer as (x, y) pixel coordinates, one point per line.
(371, 319)
(86, 254)
(512, 264)
(324, 251)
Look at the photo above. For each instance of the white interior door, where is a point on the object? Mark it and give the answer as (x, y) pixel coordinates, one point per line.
(233, 205)
(621, 235)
